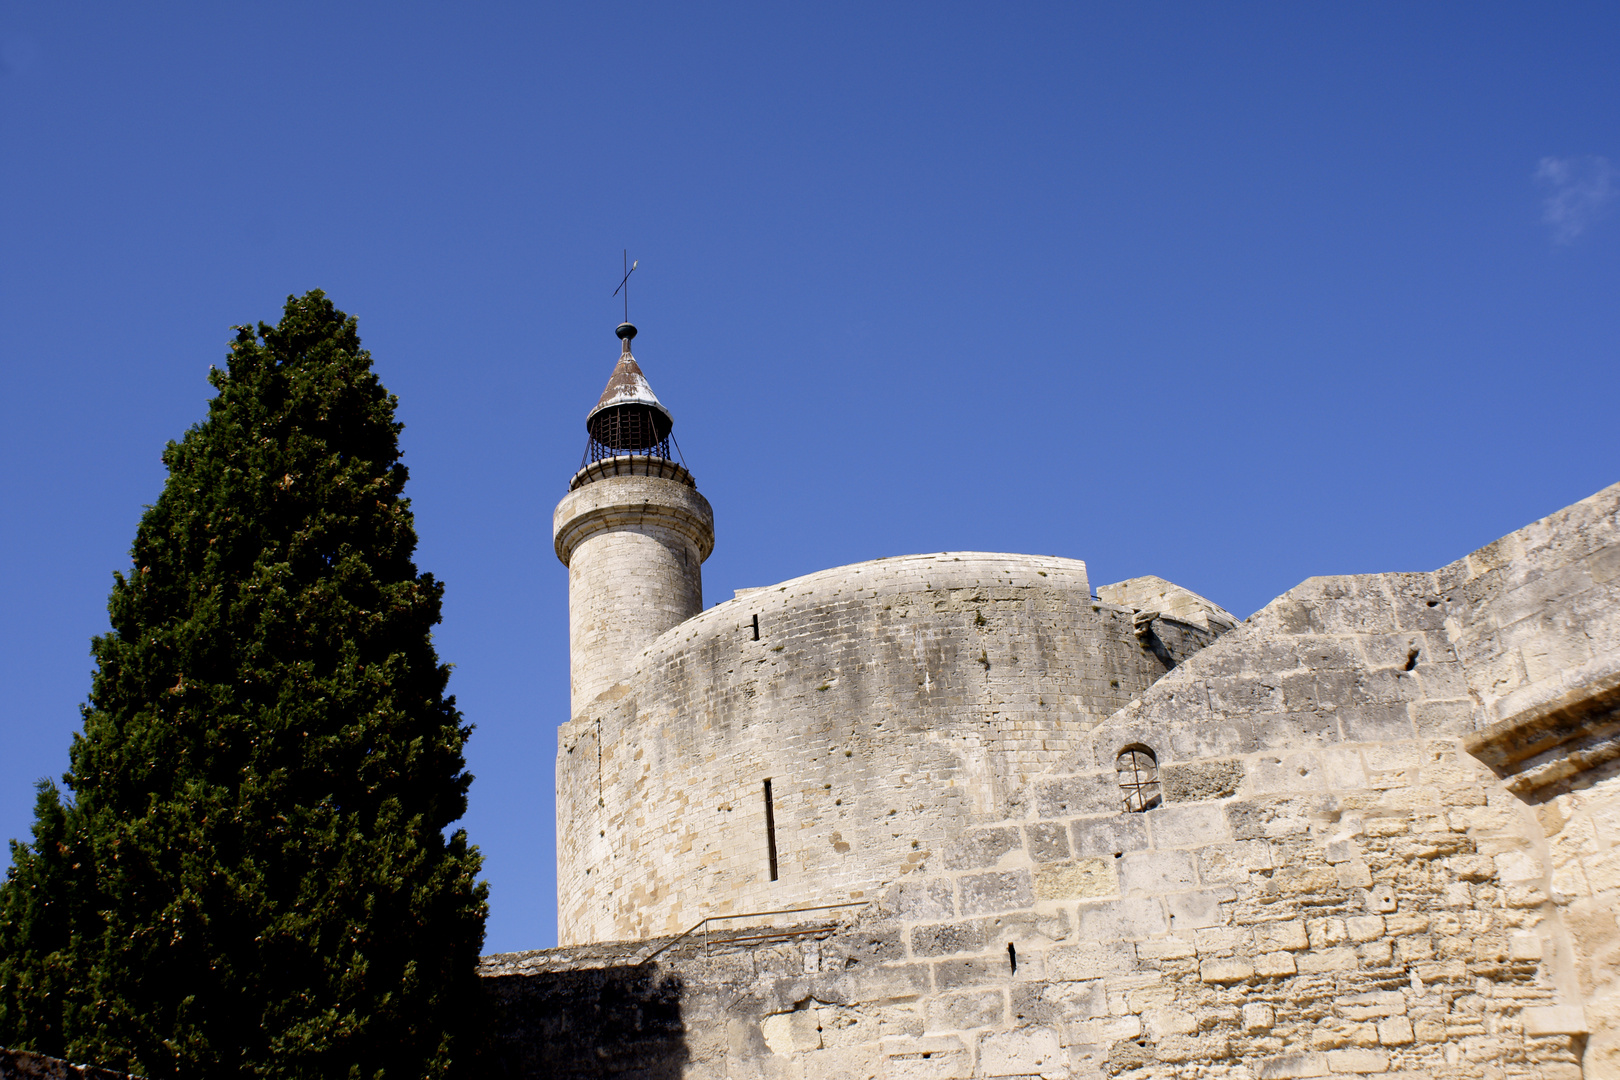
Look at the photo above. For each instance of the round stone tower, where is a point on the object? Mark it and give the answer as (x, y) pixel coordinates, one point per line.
(633, 532)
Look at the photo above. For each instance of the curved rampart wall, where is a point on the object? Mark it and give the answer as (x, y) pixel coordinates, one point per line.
(889, 703)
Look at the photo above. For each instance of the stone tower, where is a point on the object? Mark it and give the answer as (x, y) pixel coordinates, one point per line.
(633, 532)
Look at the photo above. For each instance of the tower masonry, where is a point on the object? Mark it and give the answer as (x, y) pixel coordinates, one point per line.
(632, 530)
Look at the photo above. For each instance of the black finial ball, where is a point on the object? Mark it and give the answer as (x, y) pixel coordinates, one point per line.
(625, 331)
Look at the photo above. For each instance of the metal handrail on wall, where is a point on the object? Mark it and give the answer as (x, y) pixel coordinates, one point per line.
(768, 935)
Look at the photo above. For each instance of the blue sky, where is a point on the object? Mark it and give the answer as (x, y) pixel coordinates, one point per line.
(1233, 294)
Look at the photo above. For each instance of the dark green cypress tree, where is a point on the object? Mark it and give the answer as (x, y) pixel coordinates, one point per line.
(252, 875)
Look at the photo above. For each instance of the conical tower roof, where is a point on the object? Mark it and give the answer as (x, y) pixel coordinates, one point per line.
(627, 385)
(628, 416)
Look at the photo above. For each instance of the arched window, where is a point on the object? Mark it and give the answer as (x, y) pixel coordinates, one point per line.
(1138, 772)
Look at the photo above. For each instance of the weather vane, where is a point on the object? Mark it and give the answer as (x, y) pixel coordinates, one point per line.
(624, 283)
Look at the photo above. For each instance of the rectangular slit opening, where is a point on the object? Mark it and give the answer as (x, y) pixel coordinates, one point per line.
(756, 627)
(770, 828)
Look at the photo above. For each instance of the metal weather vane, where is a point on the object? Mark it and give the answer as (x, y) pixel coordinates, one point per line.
(624, 283)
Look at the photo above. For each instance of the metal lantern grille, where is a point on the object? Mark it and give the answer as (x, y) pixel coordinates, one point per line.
(628, 429)
(1138, 772)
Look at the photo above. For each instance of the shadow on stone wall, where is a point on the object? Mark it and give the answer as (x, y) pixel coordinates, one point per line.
(624, 1022)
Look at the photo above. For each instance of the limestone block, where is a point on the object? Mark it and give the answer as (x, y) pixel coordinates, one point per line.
(956, 1012)
(943, 939)
(1258, 1017)
(1129, 919)
(1272, 936)
(1030, 1051)
(1358, 1061)
(1396, 1031)
(1095, 794)
(1353, 875)
(1083, 879)
(1554, 1020)
(1275, 965)
(926, 1058)
(1225, 972)
(1195, 910)
(1318, 961)
(1087, 961)
(1047, 841)
(1157, 872)
(1201, 780)
(1187, 826)
(981, 848)
(922, 899)
(1285, 1066)
(1008, 890)
(1365, 927)
(1231, 863)
(1325, 933)
(1164, 1021)
(788, 1033)
(1110, 835)
(1165, 949)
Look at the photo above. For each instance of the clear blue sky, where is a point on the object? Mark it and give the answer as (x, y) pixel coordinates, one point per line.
(1233, 294)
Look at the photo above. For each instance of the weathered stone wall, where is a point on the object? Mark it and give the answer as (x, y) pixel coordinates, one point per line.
(889, 703)
(1353, 870)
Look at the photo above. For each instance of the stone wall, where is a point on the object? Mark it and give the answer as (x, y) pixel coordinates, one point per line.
(889, 704)
(1348, 872)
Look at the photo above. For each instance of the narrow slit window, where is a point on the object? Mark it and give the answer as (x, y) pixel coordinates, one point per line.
(1138, 770)
(770, 828)
(756, 632)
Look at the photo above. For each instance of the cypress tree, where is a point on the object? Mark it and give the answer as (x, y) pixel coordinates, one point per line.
(251, 875)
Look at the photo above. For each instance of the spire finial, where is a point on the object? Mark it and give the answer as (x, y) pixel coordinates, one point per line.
(624, 284)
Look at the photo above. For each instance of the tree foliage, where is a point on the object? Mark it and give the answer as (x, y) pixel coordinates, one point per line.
(251, 876)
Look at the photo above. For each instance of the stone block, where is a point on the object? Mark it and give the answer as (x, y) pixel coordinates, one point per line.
(1030, 1051)
(793, 1032)
(1275, 965)
(1165, 949)
(958, 973)
(1225, 972)
(1089, 960)
(926, 1058)
(943, 939)
(1069, 796)
(956, 1012)
(1008, 890)
(1157, 872)
(981, 848)
(1315, 962)
(1201, 780)
(1285, 1066)
(1326, 933)
(1554, 1020)
(1079, 880)
(1196, 910)
(1358, 1061)
(1232, 863)
(1047, 841)
(1129, 919)
(920, 900)
(1354, 874)
(1258, 1017)
(1396, 1031)
(1272, 936)
(1365, 927)
(1162, 1022)
(1187, 826)
(1110, 836)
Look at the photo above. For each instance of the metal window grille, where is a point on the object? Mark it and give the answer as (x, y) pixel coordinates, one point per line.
(1138, 772)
